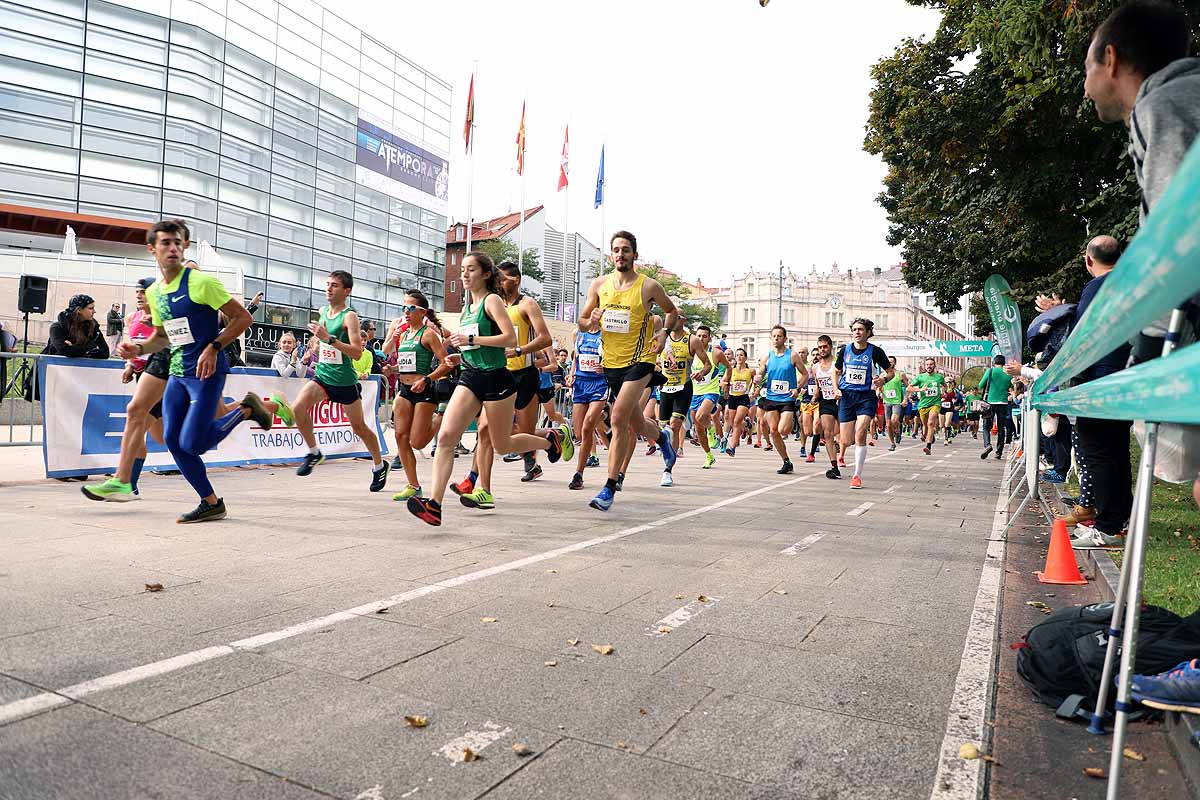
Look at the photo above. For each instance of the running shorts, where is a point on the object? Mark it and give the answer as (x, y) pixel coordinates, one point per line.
(488, 385)
(697, 399)
(344, 395)
(893, 410)
(158, 365)
(925, 413)
(589, 390)
(782, 406)
(972, 416)
(526, 381)
(856, 403)
(443, 389)
(674, 404)
(545, 395)
(828, 408)
(634, 372)
(427, 395)
(810, 408)
(738, 401)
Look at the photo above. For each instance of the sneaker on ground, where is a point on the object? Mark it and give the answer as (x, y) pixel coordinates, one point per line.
(758, 444)
(397, 463)
(986, 452)
(428, 511)
(407, 492)
(1052, 476)
(1177, 689)
(810, 459)
(786, 469)
(284, 411)
(892, 447)
(668, 451)
(603, 501)
(999, 455)
(1091, 539)
(379, 477)
(258, 412)
(203, 512)
(1080, 514)
(310, 460)
(620, 481)
(592, 461)
(925, 449)
(841, 462)
(533, 474)
(729, 451)
(459, 450)
(480, 498)
(856, 482)
(833, 473)
(709, 460)
(576, 482)
(667, 480)
(111, 490)
(511, 457)
(803, 454)
(465, 486)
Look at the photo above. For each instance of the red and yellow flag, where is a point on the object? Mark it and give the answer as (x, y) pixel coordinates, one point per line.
(563, 170)
(521, 143)
(470, 120)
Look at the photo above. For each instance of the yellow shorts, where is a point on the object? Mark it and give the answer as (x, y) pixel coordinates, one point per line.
(809, 408)
(925, 412)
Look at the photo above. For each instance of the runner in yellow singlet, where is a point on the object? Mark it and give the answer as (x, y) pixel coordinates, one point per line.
(737, 383)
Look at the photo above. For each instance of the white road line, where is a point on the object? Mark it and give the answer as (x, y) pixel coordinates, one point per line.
(45, 701)
(914, 476)
(475, 740)
(858, 512)
(958, 778)
(926, 469)
(803, 544)
(681, 616)
(892, 489)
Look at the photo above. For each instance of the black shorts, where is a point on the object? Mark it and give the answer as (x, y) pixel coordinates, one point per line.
(427, 395)
(443, 389)
(158, 364)
(488, 384)
(634, 372)
(345, 395)
(829, 407)
(738, 401)
(782, 406)
(526, 381)
(545, 395)
(674, 404)
(722, 401)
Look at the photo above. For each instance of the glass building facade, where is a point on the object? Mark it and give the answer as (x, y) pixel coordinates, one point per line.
(290, 140)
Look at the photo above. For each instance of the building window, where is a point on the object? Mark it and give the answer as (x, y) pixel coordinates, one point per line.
(747, 315)
(750, 288)
(748, 346)
(723, 311)
(453, 286)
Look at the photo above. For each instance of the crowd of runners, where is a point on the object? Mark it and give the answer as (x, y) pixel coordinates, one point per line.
(633, 375)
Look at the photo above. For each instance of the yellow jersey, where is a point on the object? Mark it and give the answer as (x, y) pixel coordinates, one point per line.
(524, 334)
(675, 358)
(739, 381)
(626, 324)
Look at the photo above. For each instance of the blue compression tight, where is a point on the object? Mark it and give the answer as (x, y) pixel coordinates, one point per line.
(189, 428)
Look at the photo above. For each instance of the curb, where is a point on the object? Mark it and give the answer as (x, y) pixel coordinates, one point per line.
(1183, 730)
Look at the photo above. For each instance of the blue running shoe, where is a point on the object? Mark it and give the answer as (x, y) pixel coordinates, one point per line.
(592, 461)
(668, 452)
(1176, 689)
(1050, 476)
(602, 501)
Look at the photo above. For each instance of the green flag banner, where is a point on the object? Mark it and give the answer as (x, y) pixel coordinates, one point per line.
(1006, 317)
(1160, 270)
(1163, 390)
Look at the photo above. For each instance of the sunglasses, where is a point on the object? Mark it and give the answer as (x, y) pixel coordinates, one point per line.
(409, 309)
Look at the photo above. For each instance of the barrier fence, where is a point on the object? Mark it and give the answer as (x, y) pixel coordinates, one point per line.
(20, 419)
(1158, 272)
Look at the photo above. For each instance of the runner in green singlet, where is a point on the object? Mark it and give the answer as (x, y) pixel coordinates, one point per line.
(893, 405)
(928, 388)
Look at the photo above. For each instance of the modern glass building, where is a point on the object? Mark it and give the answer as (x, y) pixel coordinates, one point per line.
(291, 141)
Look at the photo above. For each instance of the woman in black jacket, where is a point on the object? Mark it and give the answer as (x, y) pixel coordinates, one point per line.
(76, 334)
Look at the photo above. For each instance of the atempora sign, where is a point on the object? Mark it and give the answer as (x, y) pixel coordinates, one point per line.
(395, 166)
(938, 348)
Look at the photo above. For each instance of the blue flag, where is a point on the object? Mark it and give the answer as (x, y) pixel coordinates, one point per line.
(600, 181)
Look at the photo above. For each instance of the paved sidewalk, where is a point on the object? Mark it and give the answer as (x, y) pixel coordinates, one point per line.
(800, 642)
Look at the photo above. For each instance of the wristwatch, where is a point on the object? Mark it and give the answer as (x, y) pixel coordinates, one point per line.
(517, 349)
(215, 345)
(470, 338)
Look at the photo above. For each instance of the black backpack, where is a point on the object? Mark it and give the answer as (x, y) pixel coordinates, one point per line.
(1062, 658)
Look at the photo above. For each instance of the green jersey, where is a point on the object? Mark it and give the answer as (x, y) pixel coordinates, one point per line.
(712, 383)
(996, 382)
(412, 357)
(893, 391)
(929, 389)
(474, 321)
(335, 368)
(970, 398)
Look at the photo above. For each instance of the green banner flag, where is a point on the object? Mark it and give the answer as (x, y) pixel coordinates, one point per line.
(1006, 317)
(1160, 270)
(1163, 390)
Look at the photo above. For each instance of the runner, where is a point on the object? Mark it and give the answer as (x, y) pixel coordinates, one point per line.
(739, 383)
(485, 331)
(339, 337)
(971, 404)
(648, 405)
(675, 396)
(420, 363)
(861, 367)
(547, 387)
(589, 390)
(827, 408)
(946, 407)
(927, 387)
(620, 303)
(777, 374)
(184, 304)
(706, 390)
(810, 412)
(893, 405)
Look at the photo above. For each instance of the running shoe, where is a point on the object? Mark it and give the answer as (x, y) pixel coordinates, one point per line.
(723, 443)
(283, 410)
(1177, 689)
(111, 490)
(803, 454)
(592, 461)
(947, 443)
(397, 463)
(872, 442)
(833, 473)
(786, 469)
(768, 448)
(856, 482)
(407, 492)
(568, 444)
(652, 449)
(709, 460)
(427, 510)
(602, 501)
(459, 450)
(810, 459)
(511, 457)
(465, 486)
(729, 451)
(258, 412)
(841, 461)
(925, 449)
(620, 481)
(576, 482)
(480, 498)
(999, 455)
(533, 474)
(667, 480)
(310, 460)
(986, 452)
(379, 477)
(758, 444)
(203, 512)
(1093, 539)
(668, 451)
(1052, 476)
(892, 447)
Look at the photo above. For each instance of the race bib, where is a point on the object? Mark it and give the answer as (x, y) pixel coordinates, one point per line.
(780, 387)
(947, 405)
(891, 396)
(856, 375)
(929, 391)
(589, 363)
(739, 387)
(615, 320)
(826, 385)
(329, 354)
(179, 331)
(406, 360)
(471, 329)
(669, 389)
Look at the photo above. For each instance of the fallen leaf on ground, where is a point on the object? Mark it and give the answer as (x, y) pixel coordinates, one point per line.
(153, 587)
(550, 604)
(416, 720)
(623, 746)
(550, 663)
(678, 597)
(603, 649)
(521, 749)
(643, 711)
(572, 642)
(1094, 772)
(470, 755)
(968, 751)
(664, 628)
(703, 598)
(1036, 604)
(381, 610)
(488, 619)
(1129, 752)
(781, 591)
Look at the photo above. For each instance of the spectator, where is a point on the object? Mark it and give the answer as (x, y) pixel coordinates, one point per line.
(233, 350)
(994, 386)
(116, 324)
(364, 365)
(76, 333)
(286, 360)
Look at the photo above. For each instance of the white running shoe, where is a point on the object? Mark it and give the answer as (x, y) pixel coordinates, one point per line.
(667, 480)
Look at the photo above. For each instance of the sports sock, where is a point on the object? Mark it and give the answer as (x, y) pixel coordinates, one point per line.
(472, 476)
(860, 458)
(816, 442)
(314, 450)
(611, 484)
(136, 472)
(529, 462)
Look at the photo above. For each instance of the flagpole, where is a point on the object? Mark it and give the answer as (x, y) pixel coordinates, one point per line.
(471, 156)
(603, 208)
(521, 175)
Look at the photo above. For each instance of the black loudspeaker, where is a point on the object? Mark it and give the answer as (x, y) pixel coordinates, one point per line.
(31, 294)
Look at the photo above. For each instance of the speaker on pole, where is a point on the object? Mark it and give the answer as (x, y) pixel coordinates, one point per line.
(31, 294)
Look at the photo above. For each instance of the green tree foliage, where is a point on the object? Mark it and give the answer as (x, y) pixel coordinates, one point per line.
(506, 250)
(996, 161)
(696, 313)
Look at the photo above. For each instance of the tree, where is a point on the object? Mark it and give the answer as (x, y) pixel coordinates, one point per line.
(696, 313)
(1001, 166)
(503, 249)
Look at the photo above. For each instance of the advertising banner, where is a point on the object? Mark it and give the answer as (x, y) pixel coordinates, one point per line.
(83, 404)
(395, 166)
(938, 348)
(1006, 317)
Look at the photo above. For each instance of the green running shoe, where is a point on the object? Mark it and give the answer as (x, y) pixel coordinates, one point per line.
(568, 446)
(111, 490)
(709, 460)
(480, 498)
(409, 491)
(284, 412)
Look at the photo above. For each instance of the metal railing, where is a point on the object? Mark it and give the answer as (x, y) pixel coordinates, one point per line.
(20, 407)
(98, 269)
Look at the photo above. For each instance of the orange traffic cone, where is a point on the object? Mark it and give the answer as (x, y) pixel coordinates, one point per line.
(995, 428)
(1060, 559)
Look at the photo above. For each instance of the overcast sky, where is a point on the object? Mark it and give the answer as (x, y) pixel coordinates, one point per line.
(734, 132)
